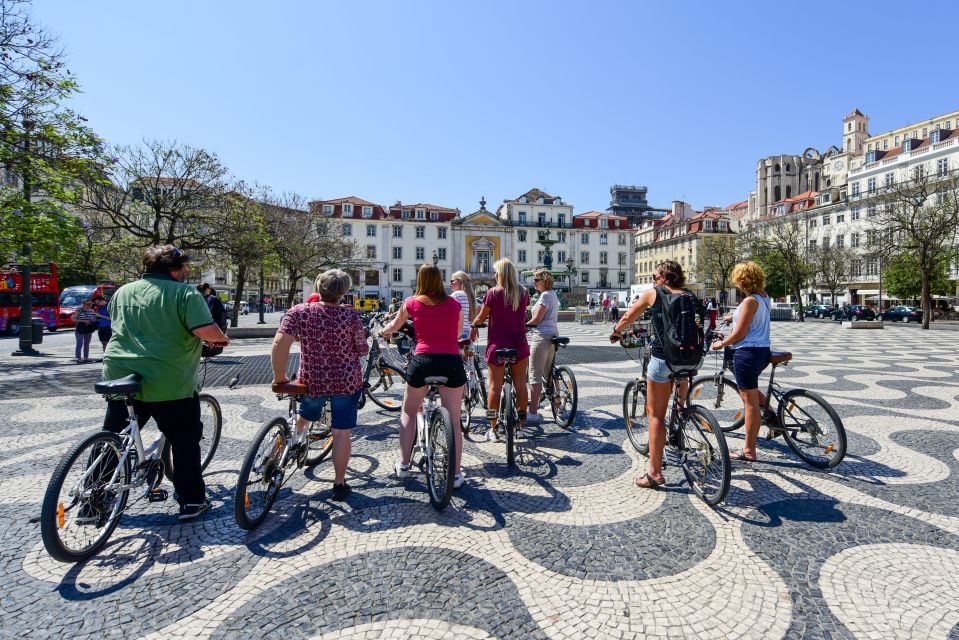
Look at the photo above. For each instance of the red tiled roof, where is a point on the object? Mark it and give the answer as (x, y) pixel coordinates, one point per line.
(533, 194)
(350, 199)
(425, 205)
(600, 214)
(737, 205)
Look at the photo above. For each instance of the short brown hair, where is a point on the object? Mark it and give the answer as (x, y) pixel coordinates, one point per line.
(672, 273)
(545, 275)
(163, 258)
(429, 283)
(749, 277)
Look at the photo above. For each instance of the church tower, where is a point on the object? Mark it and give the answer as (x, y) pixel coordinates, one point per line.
(855, 130)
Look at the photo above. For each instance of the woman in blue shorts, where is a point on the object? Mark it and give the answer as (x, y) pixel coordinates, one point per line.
(750, 338)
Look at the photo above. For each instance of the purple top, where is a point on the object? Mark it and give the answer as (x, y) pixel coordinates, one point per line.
(332, 341)
(507, 326)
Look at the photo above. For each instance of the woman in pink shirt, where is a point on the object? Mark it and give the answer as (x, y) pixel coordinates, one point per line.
(438, 322)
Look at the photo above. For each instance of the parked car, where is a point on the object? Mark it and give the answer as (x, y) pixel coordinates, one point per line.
(781, 311)
(819, 311)
(855, 312)
(902, 313)
(72, 298)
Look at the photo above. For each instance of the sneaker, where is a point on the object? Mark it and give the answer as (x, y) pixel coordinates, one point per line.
(459, 480)
(340, 491)
(402, 470)
(492, 436)
(192, 511)
(533, 418)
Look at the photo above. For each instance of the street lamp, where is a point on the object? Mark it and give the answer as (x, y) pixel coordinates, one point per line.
(26, 298)
(436, 258)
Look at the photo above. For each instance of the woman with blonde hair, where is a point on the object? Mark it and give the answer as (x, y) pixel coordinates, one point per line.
(462, 287)
(438, 321)
(505, 308)
(545, 317)
(750, 338)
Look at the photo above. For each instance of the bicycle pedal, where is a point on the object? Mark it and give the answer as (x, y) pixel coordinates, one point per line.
(157, 495)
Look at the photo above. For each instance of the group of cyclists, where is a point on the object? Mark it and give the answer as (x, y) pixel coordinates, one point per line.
(160, 324)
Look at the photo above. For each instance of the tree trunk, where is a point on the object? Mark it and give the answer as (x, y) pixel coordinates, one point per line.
(802, 315)
(240, 281)
(292, 292)
(926, 301)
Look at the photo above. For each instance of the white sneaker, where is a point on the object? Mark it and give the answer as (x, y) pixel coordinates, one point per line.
(459, 480)
(402, 470)
(492, 436)
(533, 418)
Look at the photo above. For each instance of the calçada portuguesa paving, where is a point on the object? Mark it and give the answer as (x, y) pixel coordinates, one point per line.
(564, 547)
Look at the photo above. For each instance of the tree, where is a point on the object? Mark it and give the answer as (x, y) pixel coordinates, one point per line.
(715, 261)
(160, 193)
(305, 241)
(922, 215)
(903, 278)
(779, 245)
(831, 268)
(45, 148)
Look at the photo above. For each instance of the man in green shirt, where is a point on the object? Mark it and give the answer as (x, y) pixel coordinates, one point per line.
(159, 326)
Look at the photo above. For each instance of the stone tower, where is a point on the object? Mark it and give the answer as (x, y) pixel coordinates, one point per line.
(855, 130)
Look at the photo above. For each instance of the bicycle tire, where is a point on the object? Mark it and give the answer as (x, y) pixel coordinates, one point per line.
(466, 410)
(634, 414)
(208, 444)
(701, 430)
(835, 448)
(481, 381)
(319, 439)
(53, 510)
(383, 390)
(566, 392)
(508, 405)
(729, 412)
(241, 499)
(441, 463)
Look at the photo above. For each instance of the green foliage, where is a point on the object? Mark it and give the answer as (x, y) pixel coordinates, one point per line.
(902, 277)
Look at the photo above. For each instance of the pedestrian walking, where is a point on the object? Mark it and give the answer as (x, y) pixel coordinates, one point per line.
(614, 309)
(86, 320)
(605, 308)
(712, 309)
(104, 330)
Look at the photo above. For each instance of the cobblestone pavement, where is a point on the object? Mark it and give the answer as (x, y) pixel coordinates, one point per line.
(563, 547)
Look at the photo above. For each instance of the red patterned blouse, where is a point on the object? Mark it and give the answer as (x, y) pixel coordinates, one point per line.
(331, 344)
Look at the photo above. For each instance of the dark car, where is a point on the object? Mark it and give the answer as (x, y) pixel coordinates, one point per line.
(902, 314)
(819, 311)
(853, 313)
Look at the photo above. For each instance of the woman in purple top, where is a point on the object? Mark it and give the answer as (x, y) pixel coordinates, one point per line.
(505, 306)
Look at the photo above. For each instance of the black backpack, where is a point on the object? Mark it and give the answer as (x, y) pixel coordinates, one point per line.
(681, 329)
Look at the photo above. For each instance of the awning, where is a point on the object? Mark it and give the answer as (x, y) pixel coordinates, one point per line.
(868, 292)
(876, 298)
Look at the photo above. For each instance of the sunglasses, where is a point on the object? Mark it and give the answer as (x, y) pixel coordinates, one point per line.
(536, 279)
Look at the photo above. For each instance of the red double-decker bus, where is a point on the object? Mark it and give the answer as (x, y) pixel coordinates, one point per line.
(44, 290)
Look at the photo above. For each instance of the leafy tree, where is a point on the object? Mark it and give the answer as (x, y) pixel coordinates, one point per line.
(715, 261)
(831, 268)
(779, 245)
(904, 279)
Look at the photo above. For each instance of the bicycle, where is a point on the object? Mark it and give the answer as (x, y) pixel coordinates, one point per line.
(693, 435)
(475, 392)
(435, 445)
(388, 388)
(560, 388)
(111, 465)
(794, 419)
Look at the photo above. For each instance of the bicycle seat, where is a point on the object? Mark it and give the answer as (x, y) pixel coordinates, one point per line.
(129, 384)
(778, 357)
(290, 388)
(560, 342)
(505, 354)
(437, 380)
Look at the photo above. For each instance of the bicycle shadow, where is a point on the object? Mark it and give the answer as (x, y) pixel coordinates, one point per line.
(774, 493)
(119, 564)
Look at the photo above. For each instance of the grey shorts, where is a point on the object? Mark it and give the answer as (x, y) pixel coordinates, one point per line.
(541, 350)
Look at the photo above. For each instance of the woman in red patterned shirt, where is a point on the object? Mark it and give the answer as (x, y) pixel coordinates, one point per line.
(332, 341)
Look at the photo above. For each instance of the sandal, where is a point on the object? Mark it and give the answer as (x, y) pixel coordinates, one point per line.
(653, 483)
(740, 456)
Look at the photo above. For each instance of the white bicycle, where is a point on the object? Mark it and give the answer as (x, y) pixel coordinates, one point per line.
(434, 450)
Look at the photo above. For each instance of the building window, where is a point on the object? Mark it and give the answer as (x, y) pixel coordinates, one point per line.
(522, 255)
(370, 252)
(584, 277)
(871, 185)
(406, 215)
(825, 242)
(840, 241)
(347, 229)
(397, 274)
(925, 131)
(367, 212)
(896, 142)
(870, 211)
(840, 217)
(561, 256)
(825, 221)
(622, 277)
(398, 294)
(919, 172)
(855, 213)
(397, 231)
(603, 259)
(421, 214)
(371, 231)
(942, 166)
(327, 209)
(541, 218)
(561, 236)
(621, 239)
(812, 244)
(347, 209)
(855, 189)
(441, 233)
(603, 239)
(885, 144)
(522, 217)
(812, 223)
(539, 257)
(441, 253)
(420, 254)
(890, 179)
(561, 220)
(420, 232)
(521, 235)
(584, 238)
(397, 253)
(622, 259)
(584, 257)
(434, 216)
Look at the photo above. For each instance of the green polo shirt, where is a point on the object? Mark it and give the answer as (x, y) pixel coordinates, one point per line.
(153, 320)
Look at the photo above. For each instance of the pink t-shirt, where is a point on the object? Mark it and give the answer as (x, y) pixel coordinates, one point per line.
(332, 341)
(435, 325)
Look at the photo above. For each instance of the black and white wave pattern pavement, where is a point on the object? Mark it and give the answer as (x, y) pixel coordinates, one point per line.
(565, 547)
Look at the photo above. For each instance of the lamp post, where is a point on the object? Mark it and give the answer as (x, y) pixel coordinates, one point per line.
(26, 298)
(436, 258)
(261, 305)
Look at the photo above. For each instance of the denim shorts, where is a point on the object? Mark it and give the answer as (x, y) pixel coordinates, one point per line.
(344, 409)
(658, 370)
(748, 363)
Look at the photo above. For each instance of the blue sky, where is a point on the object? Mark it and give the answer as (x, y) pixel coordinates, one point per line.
(445, 102)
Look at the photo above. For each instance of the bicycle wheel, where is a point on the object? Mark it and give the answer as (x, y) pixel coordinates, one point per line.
(466, 409)
(81, 506)
(812, 428)
(508, 406)
(634, 413)
(386, 388)
(319, 439)
(706, 461)
(565, 396)
(726, 407)
(212, 419)
(441, 463)
(261, 475)
(481, 382)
